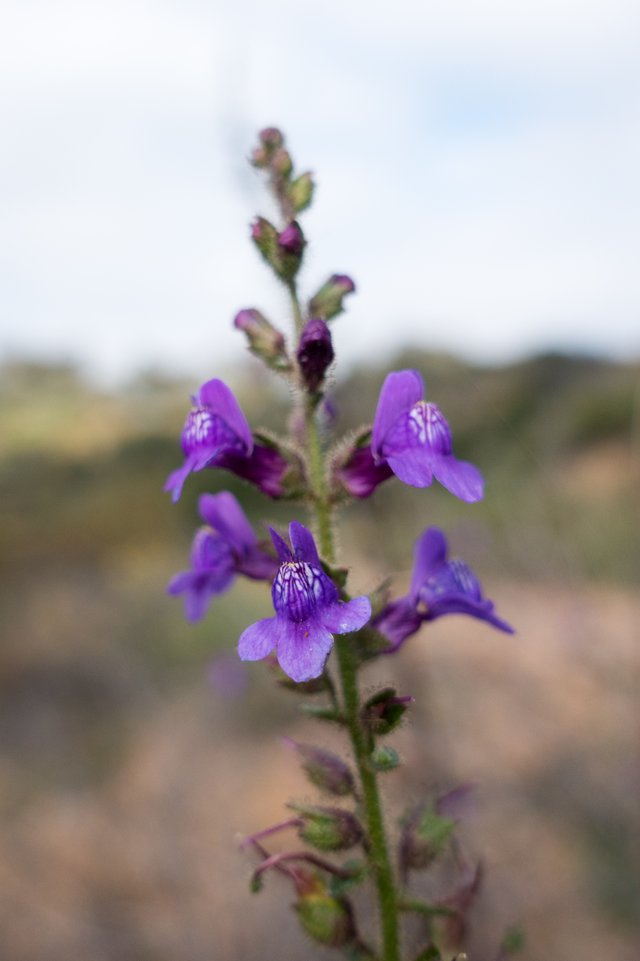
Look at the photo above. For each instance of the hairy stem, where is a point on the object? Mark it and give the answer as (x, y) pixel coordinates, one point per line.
(378, 852)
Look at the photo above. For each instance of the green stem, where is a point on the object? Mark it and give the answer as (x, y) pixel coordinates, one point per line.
(378, 852)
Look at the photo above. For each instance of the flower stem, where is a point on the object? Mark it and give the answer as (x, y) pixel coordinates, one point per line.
(378, 853)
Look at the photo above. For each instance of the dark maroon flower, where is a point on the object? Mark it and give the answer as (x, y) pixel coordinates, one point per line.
(308, 611)
(438, 587)
(315, 352)
(414, 439)
(225, 547)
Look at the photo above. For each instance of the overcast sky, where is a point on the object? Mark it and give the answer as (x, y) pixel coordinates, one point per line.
(477, 167)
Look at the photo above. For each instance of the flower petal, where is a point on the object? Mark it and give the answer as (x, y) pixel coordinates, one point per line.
(400, 391)
(303, 544)
(220, 399)
(460, 478)
(458, 604)
(223, 512)
(413, 467)
(430, 552)
(175, 480)
(342, 617)
(259, 639)
(281, 546)
(303, 648)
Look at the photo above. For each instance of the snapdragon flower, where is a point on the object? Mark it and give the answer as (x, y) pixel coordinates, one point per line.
(412, 436)
(217, 434)
(438, 586)
(225, 547)
(308, 611)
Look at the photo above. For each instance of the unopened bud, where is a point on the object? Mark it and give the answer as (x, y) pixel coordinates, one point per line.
(384, 758)
(425, 834)
(281, 162)
(328, 828)
(300, 192)
(291, 239)
(383, 712)
(326, 919)
(315, 353)
(271, 137)
(328, 301)
(324, 769)
(264, 339)
(265, 237)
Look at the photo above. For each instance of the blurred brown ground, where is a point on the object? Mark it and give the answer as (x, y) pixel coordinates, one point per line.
(126, 776)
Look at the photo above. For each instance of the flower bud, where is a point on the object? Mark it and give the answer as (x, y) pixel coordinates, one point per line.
(384, 758)
(271, 137)
(328, 828)
(265, 340)
(315, 353)
(326, 919)
(383, 712)
(265, 237)
(425, 834)
(328, 301)
(300, 192)
(324, 769)
(291, 239)
(281, 163)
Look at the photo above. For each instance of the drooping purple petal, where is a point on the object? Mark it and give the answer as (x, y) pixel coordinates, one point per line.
(342, 617)
(259, 639)
(282, 548)
(199, 587)
(302, 648)
(412, 467)
(400, 391)
(460, 478)
(303, 545)
(430, 552)
(459, 604)
(175, 481)
(216, 395)
(223, 512)
(398, 621)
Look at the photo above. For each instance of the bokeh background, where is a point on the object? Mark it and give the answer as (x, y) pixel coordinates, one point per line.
(477, 175)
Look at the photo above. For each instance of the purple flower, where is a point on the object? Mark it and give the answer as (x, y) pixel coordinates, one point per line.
(308, 611)
(226, 547)
(214, 429)
(315, 352)
(438, 587)
(414, 439)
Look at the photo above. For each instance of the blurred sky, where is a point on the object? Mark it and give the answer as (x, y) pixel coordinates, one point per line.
(477, 166)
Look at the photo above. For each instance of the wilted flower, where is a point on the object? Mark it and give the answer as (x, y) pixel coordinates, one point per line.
(308, 611)
(214, 428)
(414, 439)
(438, 586)
(224, 548)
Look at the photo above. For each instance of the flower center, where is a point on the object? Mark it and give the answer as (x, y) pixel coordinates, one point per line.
(297, 590)
(428, 427)
(204, 429)
(454, 577)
